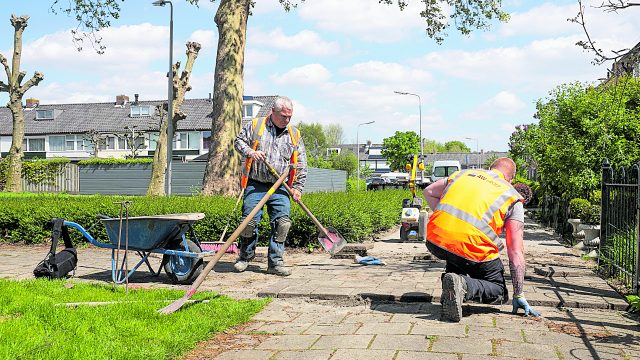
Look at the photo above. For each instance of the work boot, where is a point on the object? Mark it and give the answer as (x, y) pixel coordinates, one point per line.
(454, 289)
(241, 265)
(279, 270)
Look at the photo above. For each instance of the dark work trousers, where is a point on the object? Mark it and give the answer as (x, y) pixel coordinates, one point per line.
(485, 280)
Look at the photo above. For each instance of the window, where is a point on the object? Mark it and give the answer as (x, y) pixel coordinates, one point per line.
(247, 110)
(140, 110)
(56, 143)
(109, 143)
(188, 140)
(35, 144)
(153, 141)
(206, 140)
(73, 143)
(44, 114)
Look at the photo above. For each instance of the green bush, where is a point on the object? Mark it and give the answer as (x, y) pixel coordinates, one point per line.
(579, 208)
(25, 218)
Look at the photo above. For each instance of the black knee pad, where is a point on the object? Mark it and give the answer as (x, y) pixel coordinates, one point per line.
(282, 226)
(249, 230)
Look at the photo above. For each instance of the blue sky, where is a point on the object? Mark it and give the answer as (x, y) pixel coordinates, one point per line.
(340, 61)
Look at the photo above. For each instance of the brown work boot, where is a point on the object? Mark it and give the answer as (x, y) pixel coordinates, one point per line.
(279, 270)
(454, 289)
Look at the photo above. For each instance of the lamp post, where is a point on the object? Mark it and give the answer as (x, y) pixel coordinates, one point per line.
(358, 156)
(170, 129)
(477, 152)
(420, 114)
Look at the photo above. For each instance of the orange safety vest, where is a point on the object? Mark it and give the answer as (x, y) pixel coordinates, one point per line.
(467, 228)
(261, 124)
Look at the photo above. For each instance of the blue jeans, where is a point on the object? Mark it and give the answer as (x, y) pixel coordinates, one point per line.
(278, 205)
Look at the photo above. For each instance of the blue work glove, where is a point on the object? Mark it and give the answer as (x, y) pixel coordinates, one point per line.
(520, 302)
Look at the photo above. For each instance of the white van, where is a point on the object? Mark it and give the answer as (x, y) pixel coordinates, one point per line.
(444, 168)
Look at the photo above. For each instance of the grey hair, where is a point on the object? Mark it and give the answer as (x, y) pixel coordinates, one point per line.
(282, 102)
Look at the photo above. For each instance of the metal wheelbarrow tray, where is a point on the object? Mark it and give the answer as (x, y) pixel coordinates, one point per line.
(171, 235)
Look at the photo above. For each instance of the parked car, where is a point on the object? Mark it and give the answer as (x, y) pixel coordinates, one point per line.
(444, 168)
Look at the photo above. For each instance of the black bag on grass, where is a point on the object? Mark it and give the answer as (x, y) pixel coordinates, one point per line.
(56, 266)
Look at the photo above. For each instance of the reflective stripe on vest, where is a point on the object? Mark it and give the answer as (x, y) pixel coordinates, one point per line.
(294, 134)
(470, 228)
(261, 124)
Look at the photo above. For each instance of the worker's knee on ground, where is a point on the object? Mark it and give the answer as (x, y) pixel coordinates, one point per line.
(282, 226)
(249, 229)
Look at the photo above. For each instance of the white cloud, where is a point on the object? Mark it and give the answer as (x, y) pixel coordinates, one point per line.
(387, 72)
(365, 19)
(503, 103)
(308, 75)
(206, 38)
(305, 42)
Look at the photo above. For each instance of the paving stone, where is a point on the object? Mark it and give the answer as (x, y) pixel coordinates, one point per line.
(303, 355)
(288, 342)
(525, 350)
(384, 328)
(322, 318)
(588, 351)
(331, 293)
(401, 342)
(437, 328)
(363, 354)
(362, 318)
(283, 328)
(447, 344)
(343, 342)
(332, 329)
(246, 355)
(509, 334)
(422, 355)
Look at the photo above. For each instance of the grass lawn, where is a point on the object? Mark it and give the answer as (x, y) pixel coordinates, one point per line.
(33, 327)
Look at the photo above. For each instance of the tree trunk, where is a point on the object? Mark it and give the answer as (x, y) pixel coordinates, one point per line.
(16, 91)
(180, 87)
(159, 166)
(222, 173)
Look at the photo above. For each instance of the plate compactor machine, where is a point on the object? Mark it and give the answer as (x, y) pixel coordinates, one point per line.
(414, 218)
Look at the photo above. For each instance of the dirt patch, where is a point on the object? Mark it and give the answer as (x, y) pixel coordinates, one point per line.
(231, 339)
(576, 330)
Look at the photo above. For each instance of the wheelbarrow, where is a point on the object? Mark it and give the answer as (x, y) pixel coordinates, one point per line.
(171, 235)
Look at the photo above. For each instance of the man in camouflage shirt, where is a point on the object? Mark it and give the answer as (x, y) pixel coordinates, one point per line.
(276, 146)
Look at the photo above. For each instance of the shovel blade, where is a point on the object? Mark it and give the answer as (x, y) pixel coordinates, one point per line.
(333, 243)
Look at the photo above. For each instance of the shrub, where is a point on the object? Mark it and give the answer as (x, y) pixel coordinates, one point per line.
(525, 191)
(357, 216)
(579, 208)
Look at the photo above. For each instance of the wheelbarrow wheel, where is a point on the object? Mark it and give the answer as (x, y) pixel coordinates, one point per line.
(183, 269)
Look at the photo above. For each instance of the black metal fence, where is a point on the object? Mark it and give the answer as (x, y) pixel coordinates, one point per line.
(619, 224)
(554, 212)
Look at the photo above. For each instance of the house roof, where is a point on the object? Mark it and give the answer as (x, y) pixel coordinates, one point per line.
(106, 117)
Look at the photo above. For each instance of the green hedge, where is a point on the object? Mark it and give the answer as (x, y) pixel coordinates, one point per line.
(25, 218)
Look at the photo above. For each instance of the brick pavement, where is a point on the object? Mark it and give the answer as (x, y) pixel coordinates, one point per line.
(336, 309)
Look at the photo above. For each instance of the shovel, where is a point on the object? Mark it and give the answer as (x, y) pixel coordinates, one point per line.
(329, 238)
(174, 306)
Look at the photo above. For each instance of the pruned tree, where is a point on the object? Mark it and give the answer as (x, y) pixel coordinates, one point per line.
(16, 91)
(96, 139)
(180, 87)
(132, 139)
(601, 56)
(223, 165)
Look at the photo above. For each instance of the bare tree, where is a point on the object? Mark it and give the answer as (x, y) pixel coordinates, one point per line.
(16, 92)
(132, 139)
(96, 139)
(601, 56)
(180, 87)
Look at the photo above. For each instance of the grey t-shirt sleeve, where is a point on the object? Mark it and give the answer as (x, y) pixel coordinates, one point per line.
(515, 212)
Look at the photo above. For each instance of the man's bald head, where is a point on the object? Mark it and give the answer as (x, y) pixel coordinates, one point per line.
(506, 166)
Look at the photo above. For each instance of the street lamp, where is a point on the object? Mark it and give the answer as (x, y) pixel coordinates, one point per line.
(477, 152)
(358, 156)
(420, 113)
(170, 100)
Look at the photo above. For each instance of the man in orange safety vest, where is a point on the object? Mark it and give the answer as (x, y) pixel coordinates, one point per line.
(471, 209)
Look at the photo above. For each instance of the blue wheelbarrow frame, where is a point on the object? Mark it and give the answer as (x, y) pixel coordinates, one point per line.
(157, 234)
